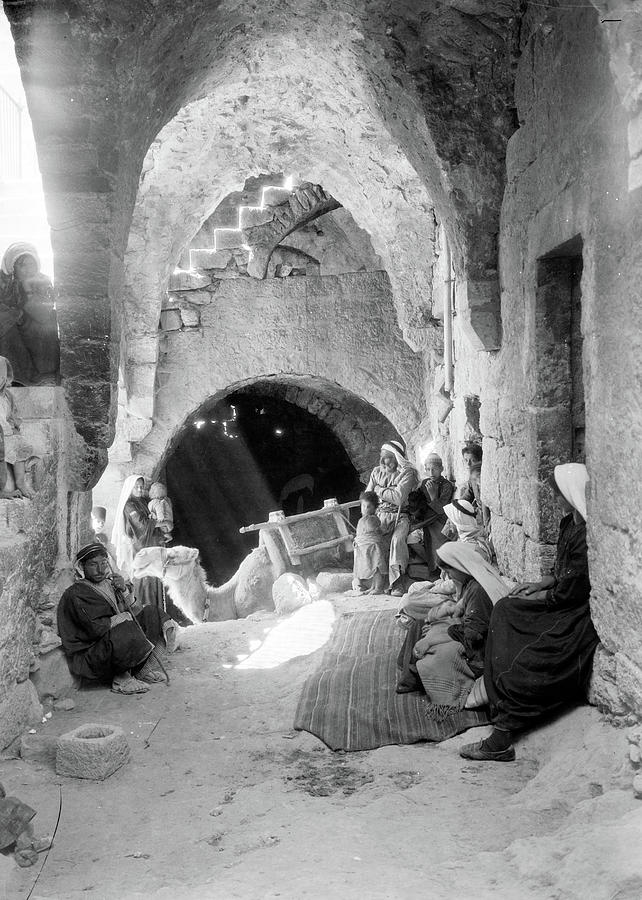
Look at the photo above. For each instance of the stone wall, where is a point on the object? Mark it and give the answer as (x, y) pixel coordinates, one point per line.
(36, 537)
(567, 188)
(339, 329)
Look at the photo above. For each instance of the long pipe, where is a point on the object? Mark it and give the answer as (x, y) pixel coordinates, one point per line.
(448, 323)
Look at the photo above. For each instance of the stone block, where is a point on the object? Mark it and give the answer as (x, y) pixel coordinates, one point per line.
(289, 593)
(186, 280)
(92, 751)
(629, 682)
(194, 298)
(334, 582)
(39, 748)
(37, 402)
(12, 516)
(602, 691)
(190, 317)
(249, 216)
(272, 196)
(635, 173)
(19, 710)
(209, 258)
(53, 678)
(134, 429)
(229, 238)
(170, 320)
(635, 135)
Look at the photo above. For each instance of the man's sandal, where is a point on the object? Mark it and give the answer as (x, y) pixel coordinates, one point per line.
(129, 686)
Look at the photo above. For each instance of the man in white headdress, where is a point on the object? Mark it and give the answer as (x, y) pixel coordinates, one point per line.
(393, 480)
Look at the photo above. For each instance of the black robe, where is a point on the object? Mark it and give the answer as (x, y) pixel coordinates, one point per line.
(94, 649)
(539, 653)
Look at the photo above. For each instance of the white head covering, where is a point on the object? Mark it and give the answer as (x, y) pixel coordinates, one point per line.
(14, 252)
(572, 479)
(466, 559)
(462, 514)
(120, 539)
(397, 449)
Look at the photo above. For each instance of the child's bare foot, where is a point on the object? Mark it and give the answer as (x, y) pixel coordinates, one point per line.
(10, 495)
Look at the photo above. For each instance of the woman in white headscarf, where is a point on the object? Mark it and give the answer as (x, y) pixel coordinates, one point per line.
(28, 324)
(461, 513)
(393, 480)
(449, 657)
(134, 529)
(541, 639)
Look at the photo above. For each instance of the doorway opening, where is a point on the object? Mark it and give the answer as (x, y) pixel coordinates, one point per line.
(560, 404)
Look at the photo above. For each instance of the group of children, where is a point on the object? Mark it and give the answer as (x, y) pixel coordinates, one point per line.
(435, 515)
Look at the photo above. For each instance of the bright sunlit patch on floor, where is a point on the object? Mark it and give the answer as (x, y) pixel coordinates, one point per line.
(305, 631)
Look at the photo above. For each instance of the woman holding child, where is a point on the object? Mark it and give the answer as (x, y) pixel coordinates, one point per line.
(392, 481)
(136, 528)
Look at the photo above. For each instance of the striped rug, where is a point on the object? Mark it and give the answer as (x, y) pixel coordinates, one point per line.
(350, 702)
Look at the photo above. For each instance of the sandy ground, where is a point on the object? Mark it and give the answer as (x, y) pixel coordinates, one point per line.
(222, 799)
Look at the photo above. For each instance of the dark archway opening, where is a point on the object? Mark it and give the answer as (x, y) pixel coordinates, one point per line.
(242, 457)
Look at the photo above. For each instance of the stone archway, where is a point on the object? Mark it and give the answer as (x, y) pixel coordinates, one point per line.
(228, 466)
(360, 427)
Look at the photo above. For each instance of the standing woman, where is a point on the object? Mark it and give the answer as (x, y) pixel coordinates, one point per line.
(393, 480)
(135, 529)
(541, 639)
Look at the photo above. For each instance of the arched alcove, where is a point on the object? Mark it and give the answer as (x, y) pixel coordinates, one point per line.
(280, 442)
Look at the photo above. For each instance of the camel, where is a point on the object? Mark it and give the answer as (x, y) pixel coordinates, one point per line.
(179, 568)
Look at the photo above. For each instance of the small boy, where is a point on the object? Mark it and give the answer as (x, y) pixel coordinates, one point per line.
(472, 457)
(160, 509)
(370, 563)
(438, 491)
(98, 519)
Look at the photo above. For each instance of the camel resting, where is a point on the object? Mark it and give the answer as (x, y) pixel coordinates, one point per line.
(248, 590)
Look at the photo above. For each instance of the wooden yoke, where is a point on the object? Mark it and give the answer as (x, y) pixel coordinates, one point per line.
(289, 538)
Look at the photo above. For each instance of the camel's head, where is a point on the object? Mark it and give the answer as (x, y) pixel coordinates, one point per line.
(180, 571)
(164, 562)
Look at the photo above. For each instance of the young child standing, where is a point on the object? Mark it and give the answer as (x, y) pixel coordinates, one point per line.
(160, 509)
(16, 451)
(370, 563)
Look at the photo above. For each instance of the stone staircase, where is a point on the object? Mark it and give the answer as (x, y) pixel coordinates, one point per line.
(240, 216)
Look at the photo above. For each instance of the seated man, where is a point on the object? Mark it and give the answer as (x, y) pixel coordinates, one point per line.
(107, 635)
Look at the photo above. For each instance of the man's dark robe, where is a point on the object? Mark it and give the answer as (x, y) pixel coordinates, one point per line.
(539, 652)
(94, 649)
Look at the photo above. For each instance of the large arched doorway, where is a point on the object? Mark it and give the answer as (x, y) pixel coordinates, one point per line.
(272, 444)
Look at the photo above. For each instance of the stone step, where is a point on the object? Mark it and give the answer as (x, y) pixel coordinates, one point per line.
(251, 216)
(209, 258)
(14, 516)
(273, 195)
(186, 280)
(228, 238)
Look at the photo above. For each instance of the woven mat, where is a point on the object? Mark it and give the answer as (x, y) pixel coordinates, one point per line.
(350, 702)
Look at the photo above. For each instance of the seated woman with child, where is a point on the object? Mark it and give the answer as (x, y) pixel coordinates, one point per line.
(443, 652)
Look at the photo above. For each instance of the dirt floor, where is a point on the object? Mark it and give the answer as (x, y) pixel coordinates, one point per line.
(222, 799)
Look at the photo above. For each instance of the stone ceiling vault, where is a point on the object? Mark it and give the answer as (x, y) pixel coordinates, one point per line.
(397, 108)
